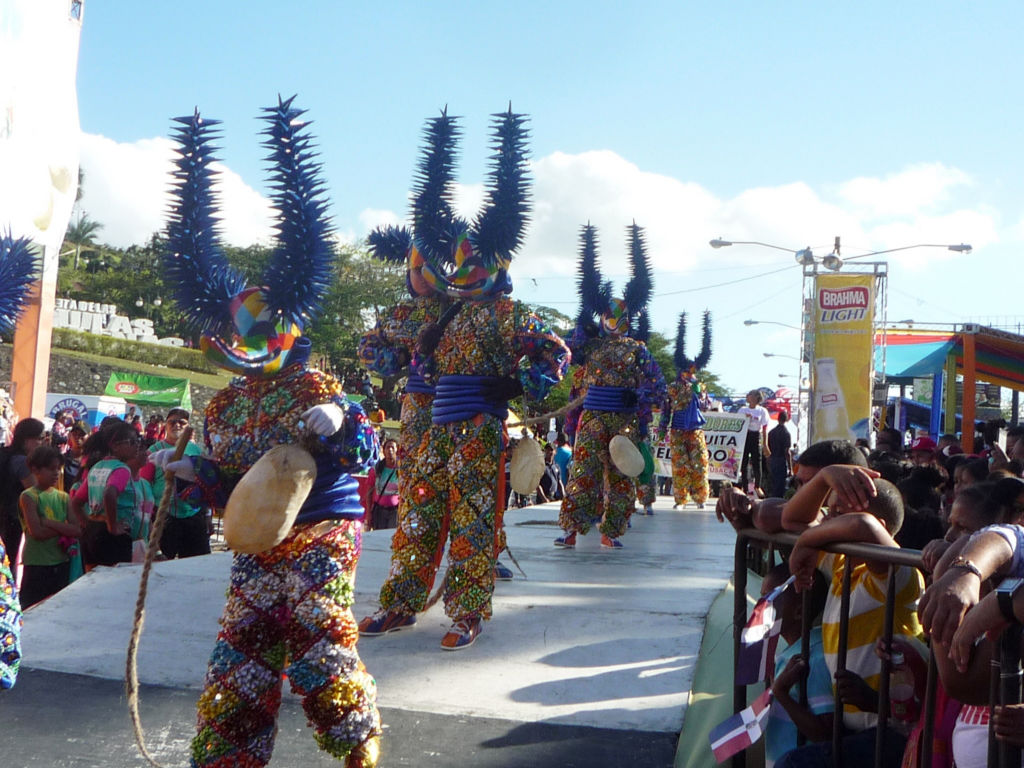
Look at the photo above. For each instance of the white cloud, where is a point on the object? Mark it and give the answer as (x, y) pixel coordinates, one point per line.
(905, 193)
(610, 192)
(126, 190)
(371, 218)
(126, 186)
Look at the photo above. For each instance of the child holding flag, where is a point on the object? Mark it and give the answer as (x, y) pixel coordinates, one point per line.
(873, 515)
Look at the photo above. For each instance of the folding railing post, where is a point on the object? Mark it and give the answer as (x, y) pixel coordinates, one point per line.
(1009, 685)
(739, 620)
(928, 732)
(993, 697)
(883, 681)
(844, 638)
(805, 653)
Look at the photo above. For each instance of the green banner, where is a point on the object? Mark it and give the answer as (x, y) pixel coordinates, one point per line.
(144, 389)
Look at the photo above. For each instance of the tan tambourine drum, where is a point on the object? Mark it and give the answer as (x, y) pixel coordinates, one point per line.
(626, 456)
(527, 466)
(267, 499)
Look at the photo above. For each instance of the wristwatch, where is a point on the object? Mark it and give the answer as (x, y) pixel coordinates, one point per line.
(1004, 596)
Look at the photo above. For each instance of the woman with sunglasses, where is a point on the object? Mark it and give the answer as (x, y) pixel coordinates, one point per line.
(107, 497)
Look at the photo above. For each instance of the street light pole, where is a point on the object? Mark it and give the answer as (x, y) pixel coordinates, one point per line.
(809, 264)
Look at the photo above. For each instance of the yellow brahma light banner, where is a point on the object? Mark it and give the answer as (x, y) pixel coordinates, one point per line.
(843, 320)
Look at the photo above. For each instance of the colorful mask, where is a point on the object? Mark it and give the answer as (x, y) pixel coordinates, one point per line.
(470, 278)
(263, 345)
(615, 320)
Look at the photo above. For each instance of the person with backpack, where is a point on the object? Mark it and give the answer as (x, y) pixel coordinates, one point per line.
(16, 477)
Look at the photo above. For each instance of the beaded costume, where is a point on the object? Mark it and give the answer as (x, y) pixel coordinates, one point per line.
(10, 624)
(288, 609)
(597, 490)
(621, 383)
(418, 542)
(462, 456)
(483, 350)
(681, 416)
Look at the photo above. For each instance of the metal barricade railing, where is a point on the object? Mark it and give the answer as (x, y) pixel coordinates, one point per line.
(1007, 674)
(893, 558)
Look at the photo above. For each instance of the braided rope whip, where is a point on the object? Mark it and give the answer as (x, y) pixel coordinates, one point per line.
(131, 678)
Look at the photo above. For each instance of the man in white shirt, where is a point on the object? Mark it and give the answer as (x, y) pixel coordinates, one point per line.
(757, 438)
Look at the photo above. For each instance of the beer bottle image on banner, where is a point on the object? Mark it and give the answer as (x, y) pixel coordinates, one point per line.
(830, 419)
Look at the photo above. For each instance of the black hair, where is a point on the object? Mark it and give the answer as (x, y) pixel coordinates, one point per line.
(979, 498)
(892, 437)
(1015, 431)
(1006, 493)
(889, 467)
(783, 417)
(825, 453)
(98, 444)
(120, 431)
(43, 456)
(887, 506)
(976, 468)
(758, 394)
(26, 429)
(919, 489)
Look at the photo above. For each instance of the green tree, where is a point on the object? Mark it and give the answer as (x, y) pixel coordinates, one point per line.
(658, 346)
(362, 290)
(80, 237)
(709, 381)
(559, 322)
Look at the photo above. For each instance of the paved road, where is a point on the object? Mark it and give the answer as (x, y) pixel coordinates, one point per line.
(57, 720)
(588, 662)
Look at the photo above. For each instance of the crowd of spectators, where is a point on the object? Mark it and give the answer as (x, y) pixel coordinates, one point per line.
(72, 498)
(965, 514)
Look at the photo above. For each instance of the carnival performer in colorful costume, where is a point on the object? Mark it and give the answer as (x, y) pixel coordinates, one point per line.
(681, 417)
(621, 382)
(288, 607)
(388, 349)
(484, 350)
(17, 273)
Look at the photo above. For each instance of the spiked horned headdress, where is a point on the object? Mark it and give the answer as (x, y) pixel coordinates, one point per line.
(684, 365)
(479, 253)
(264, 322)
(638, 290)
(433, 219)
(18, 265)
(596, 300)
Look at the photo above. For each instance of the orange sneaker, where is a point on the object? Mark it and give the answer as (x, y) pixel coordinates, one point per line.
(462, 634)
(609, 543)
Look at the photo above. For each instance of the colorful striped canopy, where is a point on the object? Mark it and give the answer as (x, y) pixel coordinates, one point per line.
(999, 355)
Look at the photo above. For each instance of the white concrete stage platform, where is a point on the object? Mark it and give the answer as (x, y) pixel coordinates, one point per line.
(591, 637)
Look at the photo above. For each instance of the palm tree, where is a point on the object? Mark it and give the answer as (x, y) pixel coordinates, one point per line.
(81, 234)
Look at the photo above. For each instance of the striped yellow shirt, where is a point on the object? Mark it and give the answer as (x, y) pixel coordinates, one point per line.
(867, 622)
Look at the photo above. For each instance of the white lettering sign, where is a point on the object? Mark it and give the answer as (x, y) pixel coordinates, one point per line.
(103, 319)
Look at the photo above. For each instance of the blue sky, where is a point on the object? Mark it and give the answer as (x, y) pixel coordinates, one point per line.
(789, 123)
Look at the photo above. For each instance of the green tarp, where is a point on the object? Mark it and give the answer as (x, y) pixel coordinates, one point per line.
(144, 389)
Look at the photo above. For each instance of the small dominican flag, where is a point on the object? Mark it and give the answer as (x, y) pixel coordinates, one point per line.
(741, 730)
(759, 638)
